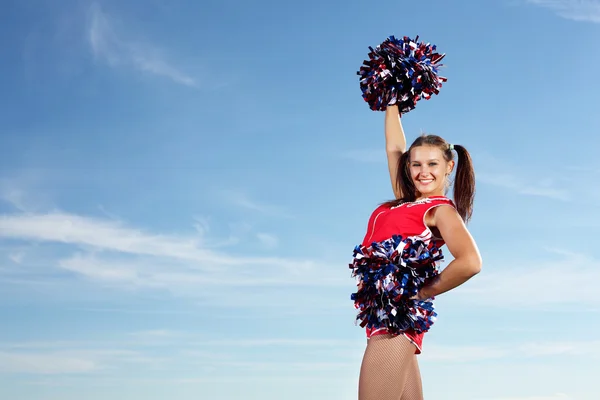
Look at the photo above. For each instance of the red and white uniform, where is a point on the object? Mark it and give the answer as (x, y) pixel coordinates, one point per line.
(407, 219)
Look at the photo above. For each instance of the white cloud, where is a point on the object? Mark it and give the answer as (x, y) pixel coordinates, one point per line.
(156, 334)
(242, 200)
(202, 226)
(108, 252)
(565, 348)
(176, 275)
(67, 358)
(103, 234)
(512, 182)
(16, 257)
(15, 190)
(567, 280)
(127, 310)
(13, 196)
(268, 240)
(160, 348)
(279, 342)
(44, 363)
(113, 48)
(577, 10)
(538, 351)
(89, 267)
(557, 396)
(460, 354)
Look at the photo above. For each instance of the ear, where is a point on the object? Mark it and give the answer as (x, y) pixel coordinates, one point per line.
(450, 167)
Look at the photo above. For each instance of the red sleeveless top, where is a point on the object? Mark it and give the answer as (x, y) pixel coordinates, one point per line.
(406, 219)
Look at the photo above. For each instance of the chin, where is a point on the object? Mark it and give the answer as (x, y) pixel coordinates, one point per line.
(429, 191)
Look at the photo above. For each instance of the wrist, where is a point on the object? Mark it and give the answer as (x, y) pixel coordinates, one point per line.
(392, 109)
(424, 293)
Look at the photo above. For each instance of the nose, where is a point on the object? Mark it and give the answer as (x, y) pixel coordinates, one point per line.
(424, 170)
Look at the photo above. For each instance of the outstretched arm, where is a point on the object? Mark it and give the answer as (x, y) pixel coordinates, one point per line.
(467, 260)
(395, 144)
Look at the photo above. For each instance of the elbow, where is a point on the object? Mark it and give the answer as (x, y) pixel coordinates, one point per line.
(473, 265)
(470, 265)
(395, 149)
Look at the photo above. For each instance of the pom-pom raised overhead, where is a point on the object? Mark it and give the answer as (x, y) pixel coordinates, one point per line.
(400, 71)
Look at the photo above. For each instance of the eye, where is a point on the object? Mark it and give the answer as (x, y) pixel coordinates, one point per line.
(433, 164)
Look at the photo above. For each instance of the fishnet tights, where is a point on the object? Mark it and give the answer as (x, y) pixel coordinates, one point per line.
(389, 370)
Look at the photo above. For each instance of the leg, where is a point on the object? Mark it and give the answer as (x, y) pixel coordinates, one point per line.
(385, 368)
(413, 390)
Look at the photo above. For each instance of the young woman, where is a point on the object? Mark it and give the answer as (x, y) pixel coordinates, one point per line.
(420, 215)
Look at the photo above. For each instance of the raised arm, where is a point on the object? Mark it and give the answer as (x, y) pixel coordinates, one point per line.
(395, 144)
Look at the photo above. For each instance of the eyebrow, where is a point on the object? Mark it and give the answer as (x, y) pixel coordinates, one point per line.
(433, 159)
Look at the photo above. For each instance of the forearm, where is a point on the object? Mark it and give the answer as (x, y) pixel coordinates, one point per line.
(455, 274)
(395, 141)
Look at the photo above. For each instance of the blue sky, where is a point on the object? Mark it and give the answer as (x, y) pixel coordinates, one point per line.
(182, 184)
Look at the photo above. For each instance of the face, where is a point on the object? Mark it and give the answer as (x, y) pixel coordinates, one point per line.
(429, 170)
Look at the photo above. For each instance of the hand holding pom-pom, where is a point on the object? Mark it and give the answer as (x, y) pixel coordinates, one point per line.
(400, 72)
(390, 276)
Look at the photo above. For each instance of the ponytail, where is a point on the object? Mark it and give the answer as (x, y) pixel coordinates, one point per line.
(464, 183)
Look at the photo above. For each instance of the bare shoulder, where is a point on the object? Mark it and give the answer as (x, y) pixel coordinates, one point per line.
(442, 212)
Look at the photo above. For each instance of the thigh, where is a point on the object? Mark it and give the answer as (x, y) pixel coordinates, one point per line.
(385, 367)
(413, 389)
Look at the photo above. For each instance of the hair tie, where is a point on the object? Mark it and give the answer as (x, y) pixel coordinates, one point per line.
(450, 147)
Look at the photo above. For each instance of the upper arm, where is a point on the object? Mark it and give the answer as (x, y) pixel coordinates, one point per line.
(459, 241)
(393, 157)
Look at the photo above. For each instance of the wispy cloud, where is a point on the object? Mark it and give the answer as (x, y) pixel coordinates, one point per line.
(53, 363)
(13, 196)
(149, 350)
(100, 233)
(577, 10)
(156, 334)
(557, 396)
(460, 354)
(529, 350)
(242, 200)
(530, 180)
(167, 349)
(16, 257)
(114, 48)
(109, 252)
(268, 240)
(15, 190)
(535, 283)
(73, 360)
(514, 183)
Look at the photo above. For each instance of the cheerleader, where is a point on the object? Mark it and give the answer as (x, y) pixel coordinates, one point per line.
(396, 265)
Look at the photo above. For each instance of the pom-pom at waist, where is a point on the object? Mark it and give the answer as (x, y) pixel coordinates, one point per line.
(389, 273)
